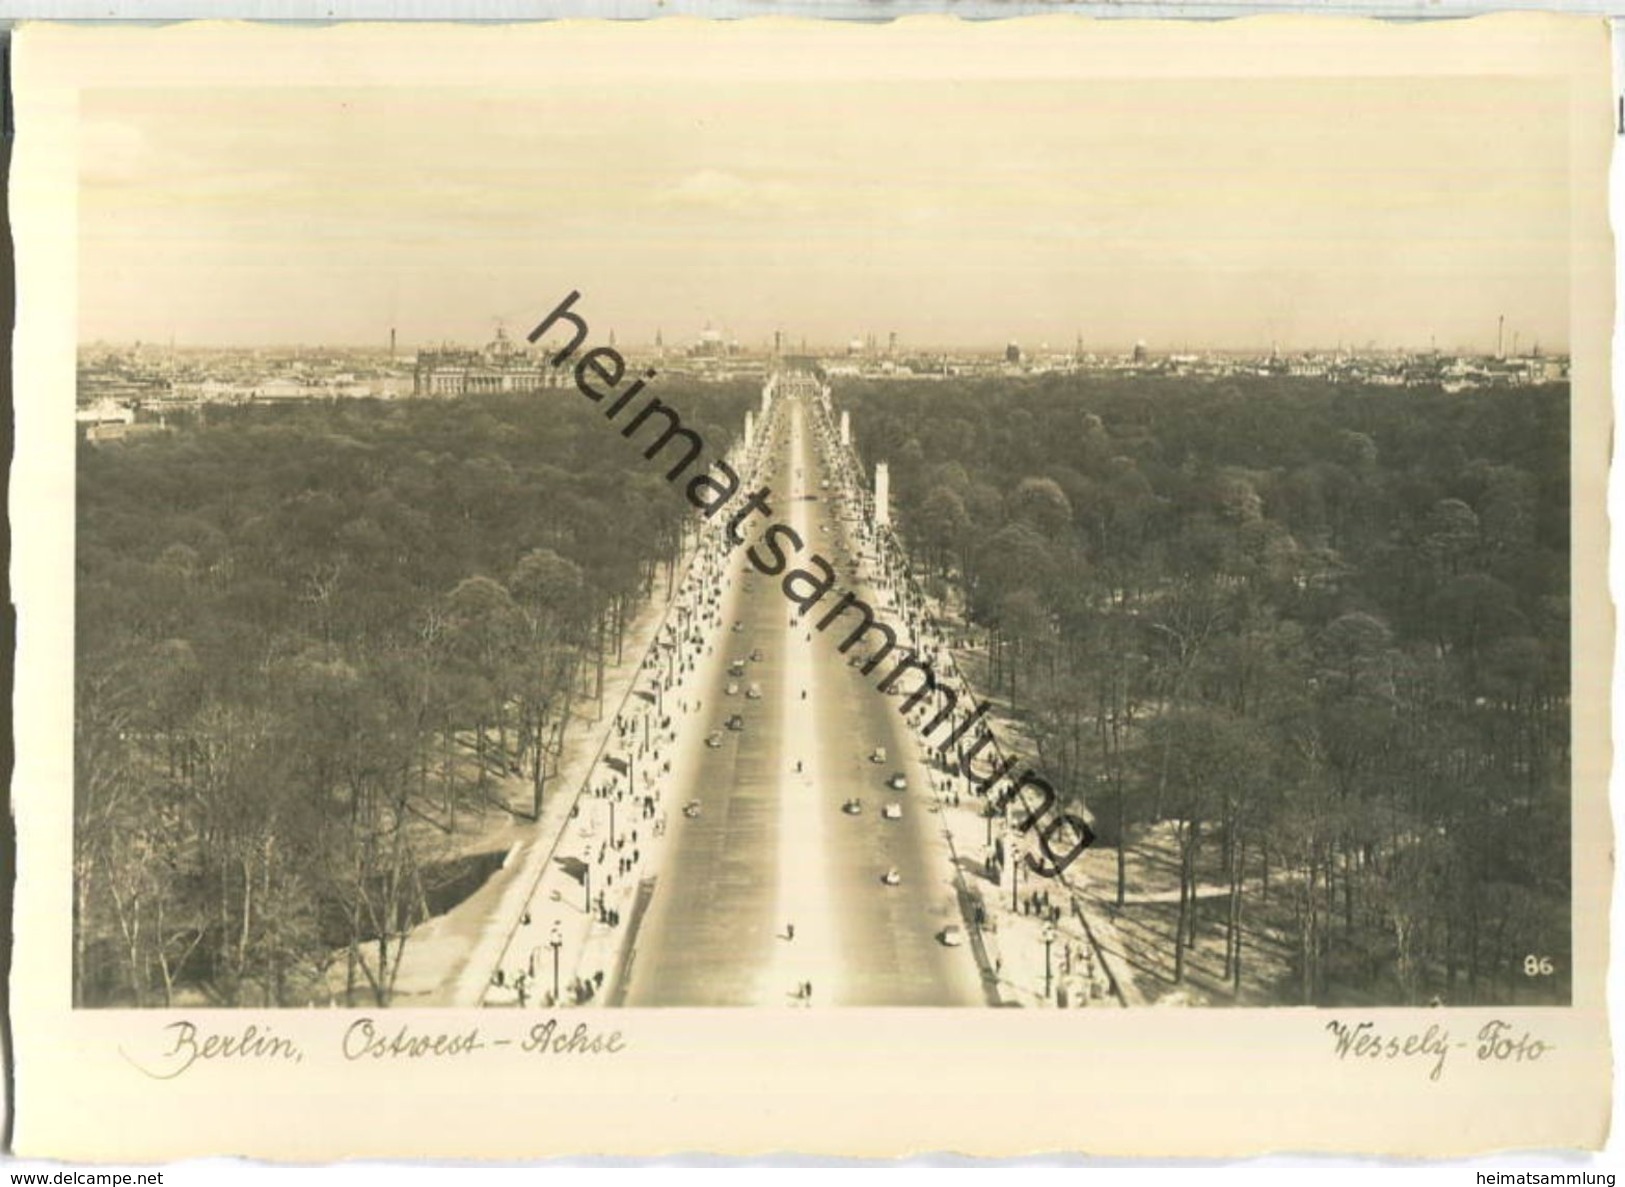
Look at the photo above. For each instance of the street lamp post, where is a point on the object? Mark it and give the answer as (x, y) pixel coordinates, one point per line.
(555, 941)
(1049, 938)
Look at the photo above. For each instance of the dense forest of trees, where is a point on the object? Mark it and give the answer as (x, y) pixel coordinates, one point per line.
(1317, 635)
(309, 637)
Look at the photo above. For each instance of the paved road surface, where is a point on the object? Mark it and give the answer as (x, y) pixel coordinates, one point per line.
(772, 847)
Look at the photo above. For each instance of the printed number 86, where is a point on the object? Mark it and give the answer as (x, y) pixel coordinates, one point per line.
(1537, 966)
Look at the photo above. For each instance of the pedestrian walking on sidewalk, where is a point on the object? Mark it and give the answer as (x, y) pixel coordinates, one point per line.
(789, 931)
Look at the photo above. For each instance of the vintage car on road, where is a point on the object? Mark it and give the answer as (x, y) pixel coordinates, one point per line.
(714, 739)
(952, 936)
(739, 626)
(891, 877)
(878, 754)
(853, 807)
(892, 811)
(736, 723)
(754, 692)
(736, 668)
(898, 782)
(732, 689)
(691, 809)
(756, 655)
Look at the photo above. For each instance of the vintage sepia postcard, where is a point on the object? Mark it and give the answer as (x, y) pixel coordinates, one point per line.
(622, 588)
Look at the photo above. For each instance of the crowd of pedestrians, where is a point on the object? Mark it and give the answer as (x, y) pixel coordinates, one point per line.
(623, 810)
(628, 787)
(893, 577)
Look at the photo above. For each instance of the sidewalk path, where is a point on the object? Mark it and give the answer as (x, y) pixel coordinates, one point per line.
(448, 960)
(1006, 924)
(583, 893)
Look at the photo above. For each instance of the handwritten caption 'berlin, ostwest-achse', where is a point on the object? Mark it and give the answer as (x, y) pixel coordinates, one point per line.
(367, 1040)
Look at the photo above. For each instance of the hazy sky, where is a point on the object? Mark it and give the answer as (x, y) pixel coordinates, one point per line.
(1213, 212)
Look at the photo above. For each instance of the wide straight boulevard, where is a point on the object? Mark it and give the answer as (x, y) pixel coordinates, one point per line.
(771, 890)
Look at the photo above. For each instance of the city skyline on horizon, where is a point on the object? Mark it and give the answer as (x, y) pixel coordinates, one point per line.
(1514, 344)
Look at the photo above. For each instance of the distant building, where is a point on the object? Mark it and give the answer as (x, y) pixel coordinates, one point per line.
(711, 345)
(500, 367)
(105, 413)
(113, 422)
(284, 389)
(1012, 355)
(115, 431)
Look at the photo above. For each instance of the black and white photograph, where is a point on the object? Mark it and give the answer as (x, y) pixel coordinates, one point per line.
(830, 533)
(612, 561)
